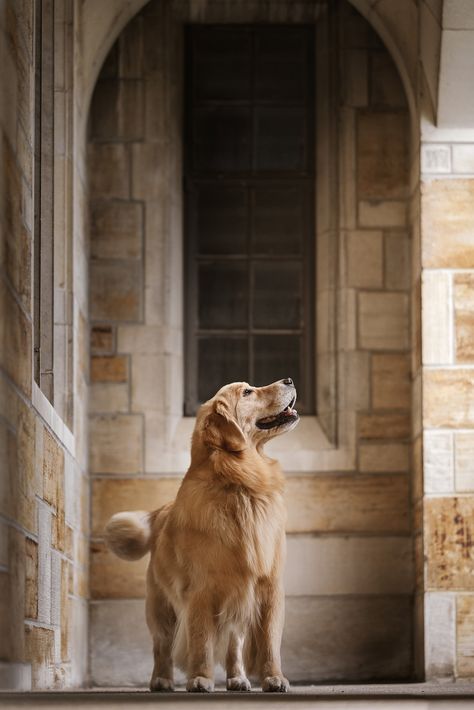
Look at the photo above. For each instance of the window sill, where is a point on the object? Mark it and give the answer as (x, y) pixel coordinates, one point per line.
(46, 410)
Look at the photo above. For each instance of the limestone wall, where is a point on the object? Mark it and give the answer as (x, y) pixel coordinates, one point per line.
(350, 571)
(43, 484)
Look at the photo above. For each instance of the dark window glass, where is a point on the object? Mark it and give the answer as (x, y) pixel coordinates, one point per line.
(220, 360)
(221, 220)
(249, 208)
(274, 355)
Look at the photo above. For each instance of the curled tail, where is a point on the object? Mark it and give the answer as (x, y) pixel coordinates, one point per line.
(128, 534)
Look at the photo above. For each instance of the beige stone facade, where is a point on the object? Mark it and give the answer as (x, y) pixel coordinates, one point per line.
(380, 481)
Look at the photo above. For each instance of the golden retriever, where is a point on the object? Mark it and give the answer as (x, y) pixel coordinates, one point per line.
(214, 587)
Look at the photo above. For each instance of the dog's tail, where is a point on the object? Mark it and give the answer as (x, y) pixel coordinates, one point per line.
(128, 534)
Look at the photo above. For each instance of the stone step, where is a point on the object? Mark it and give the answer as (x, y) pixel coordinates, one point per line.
(413, 696)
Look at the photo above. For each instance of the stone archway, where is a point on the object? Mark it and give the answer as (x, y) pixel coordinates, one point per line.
(363, 251)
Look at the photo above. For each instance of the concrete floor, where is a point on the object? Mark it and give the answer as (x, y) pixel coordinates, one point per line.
(412, 696)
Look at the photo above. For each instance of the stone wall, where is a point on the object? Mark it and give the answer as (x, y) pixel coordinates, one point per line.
(447, 223)
(43, 484)
(350, 528)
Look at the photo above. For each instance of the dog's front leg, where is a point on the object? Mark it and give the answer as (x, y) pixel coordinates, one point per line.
(236, 678)
(201, 632)
(272, 609)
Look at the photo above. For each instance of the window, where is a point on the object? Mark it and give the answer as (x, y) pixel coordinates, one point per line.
(249, 202)
(43, 196)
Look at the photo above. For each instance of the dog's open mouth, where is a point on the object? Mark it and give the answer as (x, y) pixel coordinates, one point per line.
(287, 416)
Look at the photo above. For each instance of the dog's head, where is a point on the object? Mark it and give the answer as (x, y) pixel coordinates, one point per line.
(240, 416)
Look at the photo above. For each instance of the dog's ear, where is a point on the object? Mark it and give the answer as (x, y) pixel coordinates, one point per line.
(221, 430)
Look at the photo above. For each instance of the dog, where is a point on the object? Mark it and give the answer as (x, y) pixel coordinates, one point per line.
(214, 581)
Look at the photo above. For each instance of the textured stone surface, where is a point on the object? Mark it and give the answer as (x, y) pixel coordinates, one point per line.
(102, 340)
(391, 381)
(365, 259)
(116, 229)
(448, 398)
(383, 321)
(436, 318)
(108, 397)
(447, 223)
(383, 458)
(382, 145)
(440, 642)
(115, 290)
(108, 170)
(464, 461)
(327, 638)
(438, 462)
(109, 369)
(337, 503)
(449, 551)
(116, 444)
(382, 213)
(463, 288)
(384, 426)
(465, 635)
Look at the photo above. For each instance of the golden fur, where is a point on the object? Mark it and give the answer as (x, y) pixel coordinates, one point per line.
(214, 590)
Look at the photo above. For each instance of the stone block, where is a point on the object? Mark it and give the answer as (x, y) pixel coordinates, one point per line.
(435, 159)
(384, 426)
(365, 259)
(116, 229)
(391, 381)
(440, 635)
(438, 462)
(386, 88)
(117, 110)
(39, 648)
(16, 607)
(382, 155)
(355, 77)
(107, 398)
(324, 639)
(65, 612)
(116, 444)
(464, 461)
(148, 171)
(109, 170)
(326, 566)
(382, 213)
(130, 44)
(347, 639)
(397, 261)
(436, 318)
(383, 321)
(447, 223)
(464, 636)
(384, 458)
(113, 578)
(463, 292)
(463, 158)
(357, 376)
(147, 382)
(109, 368)
(4, 615)
(116, 290)
(23, 486)
(15, 334)
(110, 496)
(31, 579)
(102, 340)
(448, 398)
(348, 503)
(53, 471)
(448, 543)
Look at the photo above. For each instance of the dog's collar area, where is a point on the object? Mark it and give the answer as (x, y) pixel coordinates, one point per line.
(286, 416)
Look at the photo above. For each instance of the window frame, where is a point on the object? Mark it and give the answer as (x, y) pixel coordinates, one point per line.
(251, 178)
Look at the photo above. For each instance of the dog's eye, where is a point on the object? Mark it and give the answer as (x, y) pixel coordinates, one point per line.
(247, 392)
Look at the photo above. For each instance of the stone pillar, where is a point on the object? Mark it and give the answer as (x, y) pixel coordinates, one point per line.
(447, 259)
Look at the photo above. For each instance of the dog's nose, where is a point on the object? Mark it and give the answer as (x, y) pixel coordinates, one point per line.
(287, 381)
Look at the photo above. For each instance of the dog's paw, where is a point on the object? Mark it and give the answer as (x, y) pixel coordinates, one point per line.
(275, 684)
(200, 684)
(238, 684)
(161, 685)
